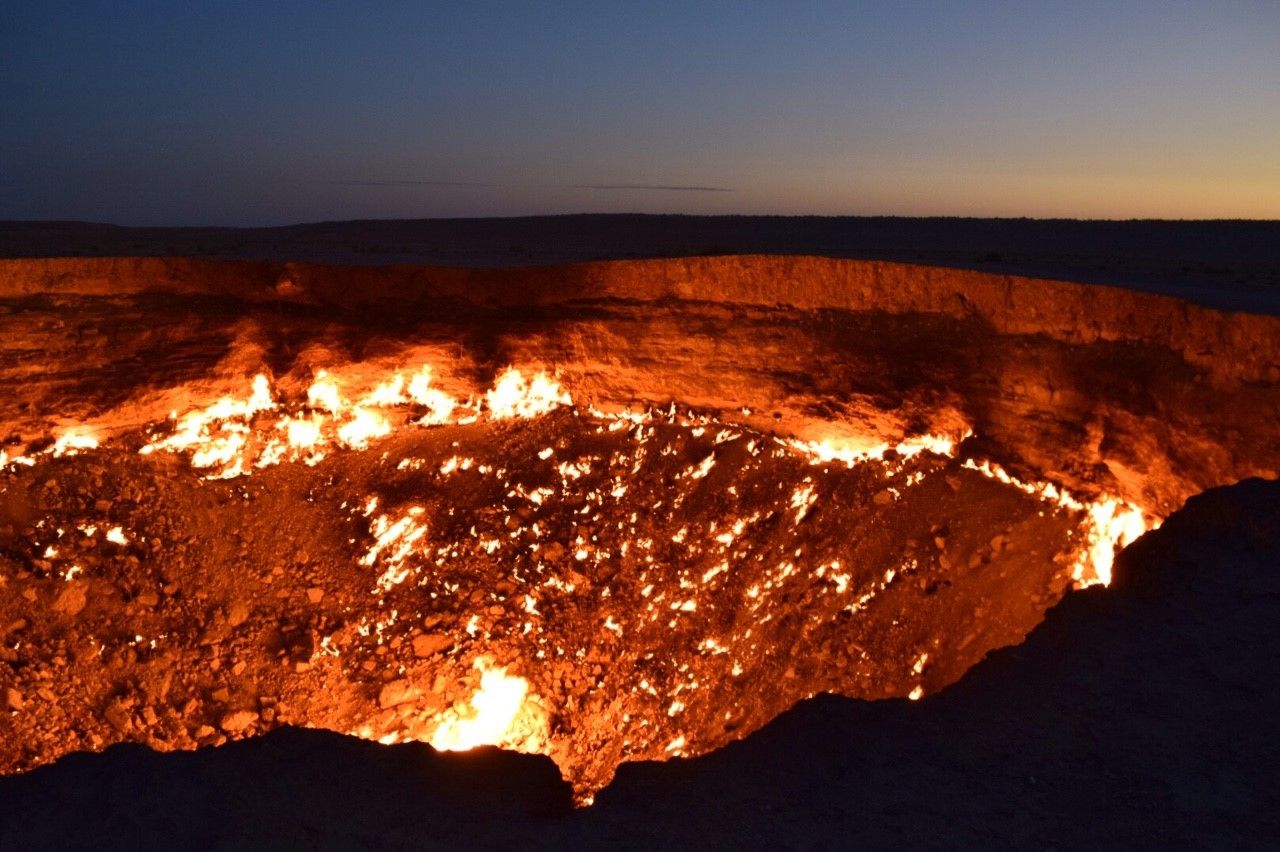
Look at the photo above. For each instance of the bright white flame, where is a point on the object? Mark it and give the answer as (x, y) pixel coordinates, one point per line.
(387, 394)
(1109, 523)
(513, 396)
(439, 404)
(490, 716)
(1112, 525)
(230, 417)
(363, 427)
(941, 445)
(855, 450)
(71, 442)
(303, 433)
(324, 393)
(224, 436)
(393, 543)
(704, 467)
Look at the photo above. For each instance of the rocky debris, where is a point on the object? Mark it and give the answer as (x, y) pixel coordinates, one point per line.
(237, 613)
(398, 692)
(228, 646)
(430, 644)
(237, 721)
(117, 713)
(73, 597)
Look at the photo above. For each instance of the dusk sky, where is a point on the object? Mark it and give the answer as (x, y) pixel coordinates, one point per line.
(273, 113)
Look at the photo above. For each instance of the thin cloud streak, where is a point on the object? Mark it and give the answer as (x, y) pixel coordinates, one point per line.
(650, 186)
(614, 187)
(410, 183)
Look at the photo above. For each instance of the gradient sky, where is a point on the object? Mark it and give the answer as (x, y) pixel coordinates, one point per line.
(279, 112)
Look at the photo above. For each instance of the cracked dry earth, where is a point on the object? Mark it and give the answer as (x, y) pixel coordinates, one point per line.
(390, 533)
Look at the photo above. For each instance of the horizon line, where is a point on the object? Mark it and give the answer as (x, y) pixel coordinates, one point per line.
(600, 215)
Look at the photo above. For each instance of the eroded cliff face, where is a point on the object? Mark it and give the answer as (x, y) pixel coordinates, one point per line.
(606, 512)
(1099, 388)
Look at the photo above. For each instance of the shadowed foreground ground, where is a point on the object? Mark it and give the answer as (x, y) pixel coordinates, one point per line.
(1138, 716)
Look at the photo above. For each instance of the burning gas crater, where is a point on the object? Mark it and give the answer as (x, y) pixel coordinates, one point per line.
(510, 569)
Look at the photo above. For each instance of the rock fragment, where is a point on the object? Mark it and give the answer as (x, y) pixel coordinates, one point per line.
(237, 613)
(429, 644)
(117, 714)
(72, 599)
(397, 692)
(237, 721)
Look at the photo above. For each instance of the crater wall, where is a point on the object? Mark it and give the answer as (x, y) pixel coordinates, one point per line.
(1098, 388)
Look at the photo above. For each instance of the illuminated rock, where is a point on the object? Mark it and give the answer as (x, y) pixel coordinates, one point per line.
(608, 512)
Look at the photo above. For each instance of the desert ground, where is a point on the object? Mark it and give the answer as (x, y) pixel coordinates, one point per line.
(1135, 715)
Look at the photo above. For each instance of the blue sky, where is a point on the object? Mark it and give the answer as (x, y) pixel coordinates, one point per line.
(271, 113)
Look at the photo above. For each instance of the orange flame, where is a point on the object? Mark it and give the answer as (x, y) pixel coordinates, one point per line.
(496, 714)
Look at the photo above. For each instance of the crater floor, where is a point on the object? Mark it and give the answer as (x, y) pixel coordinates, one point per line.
(658, 588)
(605, 514)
